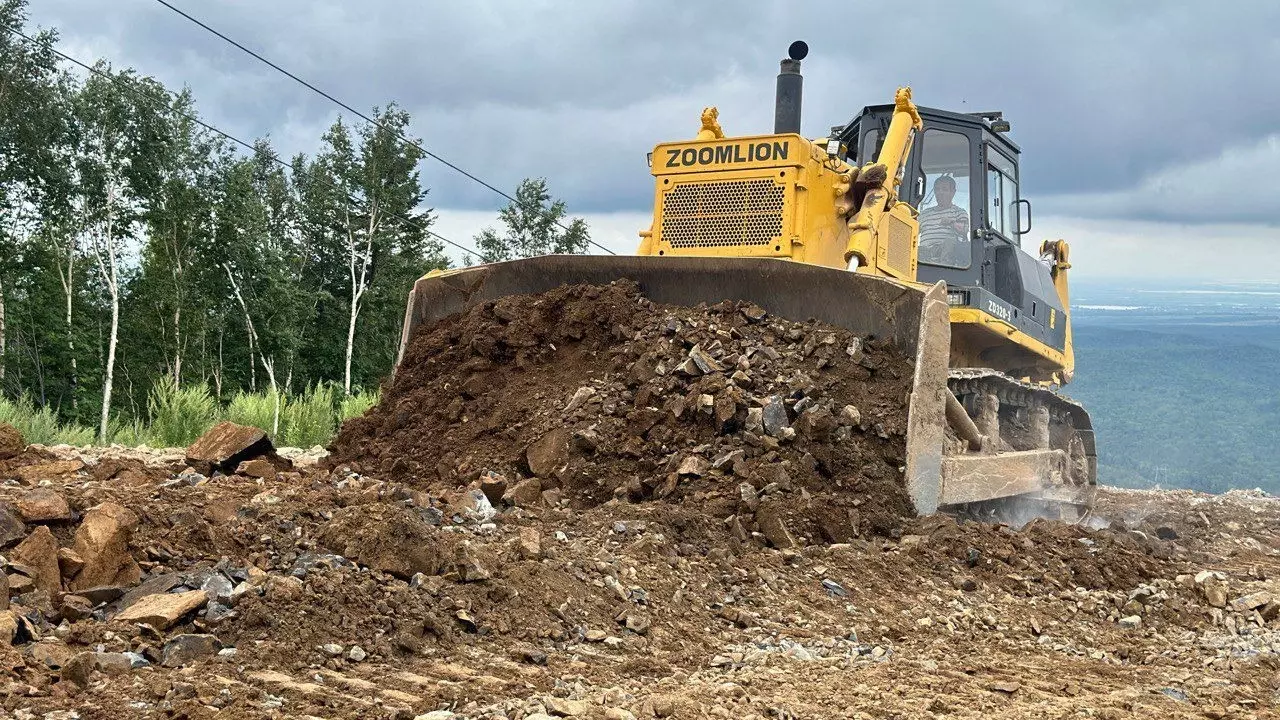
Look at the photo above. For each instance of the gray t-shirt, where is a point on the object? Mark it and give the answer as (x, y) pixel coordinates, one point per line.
(940, 244)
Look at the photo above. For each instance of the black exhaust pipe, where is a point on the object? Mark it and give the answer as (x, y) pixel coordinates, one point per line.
(786, 108)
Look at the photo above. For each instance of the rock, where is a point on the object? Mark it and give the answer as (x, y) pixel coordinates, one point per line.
(1131, 622)
(596, 635)
(34, 474)
(12, 528)
(706, 363)
(549, 454)
(638, 623)
(774, 416)
(436, 715)
(101, 594)
(566, 708)
(11, 442)
(849, 415)
(579, 399)
(755, 420)
(356, 654)
(80, 667)
(70, 562)
(530, 543)
(285, 587)
(163, 611)
(1215, 592)
(693, 466)
(525, 494)
(728, 459)
(42, 505)
(217, 587)
(40, 553)
(17, 585)
(4, 591)
(473, 506)
(75, 607)
(774, 529)
(8, 627)
(618, 714)
(332, 649)
(586, 441)
(494, 486)
(225, 446)
(706, 404)
(183, 649)
(468, 565)
(256, 468)
(102, 541)
(1251, 601)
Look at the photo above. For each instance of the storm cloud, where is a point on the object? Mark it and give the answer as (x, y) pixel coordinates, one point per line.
(1158, 112)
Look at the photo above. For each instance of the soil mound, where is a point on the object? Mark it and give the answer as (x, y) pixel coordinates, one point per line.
(586, 394)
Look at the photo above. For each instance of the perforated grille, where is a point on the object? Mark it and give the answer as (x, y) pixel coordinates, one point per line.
(899, 250)
(723, 213)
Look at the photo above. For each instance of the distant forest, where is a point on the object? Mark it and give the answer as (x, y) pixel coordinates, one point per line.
(139, 249)
(1177, 410)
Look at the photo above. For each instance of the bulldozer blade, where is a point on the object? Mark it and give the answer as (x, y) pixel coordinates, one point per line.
(915, 317)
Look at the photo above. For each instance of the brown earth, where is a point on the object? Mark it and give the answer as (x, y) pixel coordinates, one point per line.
(456, 557)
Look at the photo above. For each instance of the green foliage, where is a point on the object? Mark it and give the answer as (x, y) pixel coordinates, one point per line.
(533, 227)
(253, 409)
(356, 404)
(308, 419)
(40, 425)
(179, 415)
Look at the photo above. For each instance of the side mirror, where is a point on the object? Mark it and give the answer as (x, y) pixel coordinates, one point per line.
(1024, 215)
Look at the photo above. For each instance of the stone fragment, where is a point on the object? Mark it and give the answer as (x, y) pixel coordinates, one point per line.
(494, 486)
(596, 635)
(1215, 592)
(11, 442)
(356, 654)
(256, 468)
(566, 708)
(34, 474)
(774, 528)
(755, 420)
(81, 666)
(549, 454)
(8, 627)
(774, 416)
(728, 459)
(70, 562)
(468, 565)
(473, 506)
(39, 552)
(183, 649)
(332, 649)
(638, 623)
(1131, 622)
(75, 607)
(285, 587)
(753, 312)
(530, 543)
(849, 415)
(42, 505)
(693, 466)
(706, 364)
(225, 445)
(614, 713)
(12, 529)
(525, 494)
(579, 398)
(163, 611)
(706, 404)
(1251, 601)
(18, 584)
(102, 541)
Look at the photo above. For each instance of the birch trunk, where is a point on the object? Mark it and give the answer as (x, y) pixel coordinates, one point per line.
(105, 245)
(2, 341)
(359, 282)
(68, 292)
(268, 364)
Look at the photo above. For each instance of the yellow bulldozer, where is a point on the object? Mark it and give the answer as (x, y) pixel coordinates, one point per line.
(905, 222)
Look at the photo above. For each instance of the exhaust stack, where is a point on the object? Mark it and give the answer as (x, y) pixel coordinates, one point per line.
(786, 109)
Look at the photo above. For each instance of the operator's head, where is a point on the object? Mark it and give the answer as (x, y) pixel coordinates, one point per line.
(944, 188)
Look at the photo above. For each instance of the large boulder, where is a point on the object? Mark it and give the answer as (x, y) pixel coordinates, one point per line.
(42, 505)
(39, 554)
(225, 446)
(11, 442)
(102, 544)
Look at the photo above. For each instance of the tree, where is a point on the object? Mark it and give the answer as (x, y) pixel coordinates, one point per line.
(533, 224)
(375, 193)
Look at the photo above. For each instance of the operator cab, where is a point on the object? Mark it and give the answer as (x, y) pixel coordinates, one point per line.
(962, 178)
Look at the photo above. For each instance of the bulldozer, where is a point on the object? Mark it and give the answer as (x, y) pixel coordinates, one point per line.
(906, 223)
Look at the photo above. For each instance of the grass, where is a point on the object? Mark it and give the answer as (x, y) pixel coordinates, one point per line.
(179, 415)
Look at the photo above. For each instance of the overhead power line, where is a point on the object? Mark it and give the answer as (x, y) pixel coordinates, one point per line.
(365, 117)
(115, 80)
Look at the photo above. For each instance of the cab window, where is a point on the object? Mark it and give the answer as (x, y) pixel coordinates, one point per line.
(944, 210)
(1002, 194)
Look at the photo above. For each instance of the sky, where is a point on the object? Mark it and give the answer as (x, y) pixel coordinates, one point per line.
(1150, 131)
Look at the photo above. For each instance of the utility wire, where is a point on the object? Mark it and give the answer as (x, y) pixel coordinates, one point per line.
(365, 117)
(115, 80)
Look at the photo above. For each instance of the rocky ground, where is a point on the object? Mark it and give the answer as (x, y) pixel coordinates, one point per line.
(524, 532)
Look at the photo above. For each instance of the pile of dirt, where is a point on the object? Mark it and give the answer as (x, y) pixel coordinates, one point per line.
(587, 394)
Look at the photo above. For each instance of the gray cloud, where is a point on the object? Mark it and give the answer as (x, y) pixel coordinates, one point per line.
(1102, 98)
